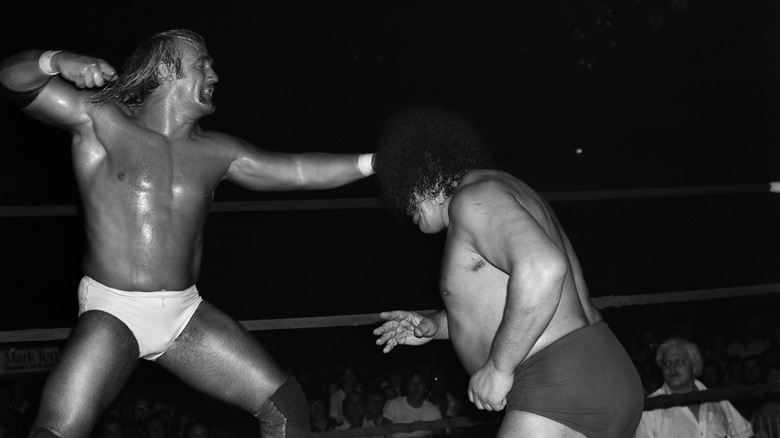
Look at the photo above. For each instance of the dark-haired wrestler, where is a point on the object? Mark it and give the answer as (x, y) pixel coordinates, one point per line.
(146, 172)
(517, 308)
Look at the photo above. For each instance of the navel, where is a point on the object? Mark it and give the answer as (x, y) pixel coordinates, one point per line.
(120, 176)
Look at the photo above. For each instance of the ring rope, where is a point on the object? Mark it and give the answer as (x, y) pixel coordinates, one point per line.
(448, 423)
(355, 203)
(39, 335)
(708, 395)
(683, 296)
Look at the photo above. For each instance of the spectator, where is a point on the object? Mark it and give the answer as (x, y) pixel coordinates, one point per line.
(375, 404)
(354, 409)
(716, 348)
(745, 344)
(735, 371)
(766, 418)
(712, 374)
(110, 426)
(413, 407)
(156, 425)
(449, 405)
(680, 362)
(752, 370)
(348, 382)
(319, 418)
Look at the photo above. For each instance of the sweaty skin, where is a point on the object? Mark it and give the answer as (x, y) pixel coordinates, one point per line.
(483, 248)
(146, 175)
(511, 285)
(147, 182)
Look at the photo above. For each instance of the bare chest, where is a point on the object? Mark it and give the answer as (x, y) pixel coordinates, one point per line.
(142, 165)
(163, 171)
(466, 277)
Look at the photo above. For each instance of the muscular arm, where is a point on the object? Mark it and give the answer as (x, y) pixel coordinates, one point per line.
(500, 229)
(21, 72)
(55, 100)
(257, 169)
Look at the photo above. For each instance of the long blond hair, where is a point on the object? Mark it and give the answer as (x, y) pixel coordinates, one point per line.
(140, 75)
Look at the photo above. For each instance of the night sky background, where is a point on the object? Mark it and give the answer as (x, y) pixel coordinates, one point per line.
(573, 95)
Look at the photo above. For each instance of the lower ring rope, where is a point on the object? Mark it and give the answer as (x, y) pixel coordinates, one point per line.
(449, 423)
(39, 335)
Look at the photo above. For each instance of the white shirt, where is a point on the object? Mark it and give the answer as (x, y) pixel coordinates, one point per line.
(398, 411)
(716, 420)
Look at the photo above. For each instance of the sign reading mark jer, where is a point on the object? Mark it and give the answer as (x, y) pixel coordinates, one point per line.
(28, 360)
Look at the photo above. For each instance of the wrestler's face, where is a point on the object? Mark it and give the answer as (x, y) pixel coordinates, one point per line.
(677, 368)
(431, 213)
(197, 85)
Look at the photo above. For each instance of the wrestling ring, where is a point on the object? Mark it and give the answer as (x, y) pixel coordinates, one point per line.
(769, 427)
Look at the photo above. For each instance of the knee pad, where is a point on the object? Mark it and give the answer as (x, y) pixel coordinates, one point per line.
(286, 413)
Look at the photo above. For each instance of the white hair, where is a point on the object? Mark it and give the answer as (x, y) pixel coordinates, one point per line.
(681, 344)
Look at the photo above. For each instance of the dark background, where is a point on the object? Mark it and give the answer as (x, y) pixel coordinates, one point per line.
(654, 94)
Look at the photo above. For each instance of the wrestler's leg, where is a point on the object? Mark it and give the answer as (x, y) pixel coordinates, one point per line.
(92, 368)
(216, 355)
(519, 424)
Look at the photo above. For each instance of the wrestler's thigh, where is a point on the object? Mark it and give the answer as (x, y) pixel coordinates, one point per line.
(519, 424)
(92, 368)
(216, 355)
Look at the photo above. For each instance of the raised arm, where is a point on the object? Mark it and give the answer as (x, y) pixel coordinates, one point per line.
(258, 169)
(48, 85)
(501, 230)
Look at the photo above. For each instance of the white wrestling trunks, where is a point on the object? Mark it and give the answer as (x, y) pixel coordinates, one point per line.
(155, 318)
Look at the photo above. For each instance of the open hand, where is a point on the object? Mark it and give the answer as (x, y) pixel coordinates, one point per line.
(407, 328)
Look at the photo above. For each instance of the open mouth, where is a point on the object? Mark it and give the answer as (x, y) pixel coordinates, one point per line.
(207, 94)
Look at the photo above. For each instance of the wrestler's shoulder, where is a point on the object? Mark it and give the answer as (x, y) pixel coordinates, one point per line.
(486, 183)
(223, 140)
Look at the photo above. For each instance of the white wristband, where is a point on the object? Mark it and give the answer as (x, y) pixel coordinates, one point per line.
(774, 187)
(44, 62)
(364, 164)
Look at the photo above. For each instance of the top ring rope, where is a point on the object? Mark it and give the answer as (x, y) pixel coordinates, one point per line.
(39, 335)
(353, 203)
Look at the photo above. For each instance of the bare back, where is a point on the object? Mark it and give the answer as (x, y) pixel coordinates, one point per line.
(474, 290)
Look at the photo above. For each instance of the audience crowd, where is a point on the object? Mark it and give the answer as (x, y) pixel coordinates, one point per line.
(738, 348)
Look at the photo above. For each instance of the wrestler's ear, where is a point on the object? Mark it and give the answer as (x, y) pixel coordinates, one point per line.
(165, 73)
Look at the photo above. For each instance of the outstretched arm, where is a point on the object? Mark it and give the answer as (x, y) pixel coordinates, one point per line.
(41, 83)
(258, 169)
(410, 328)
